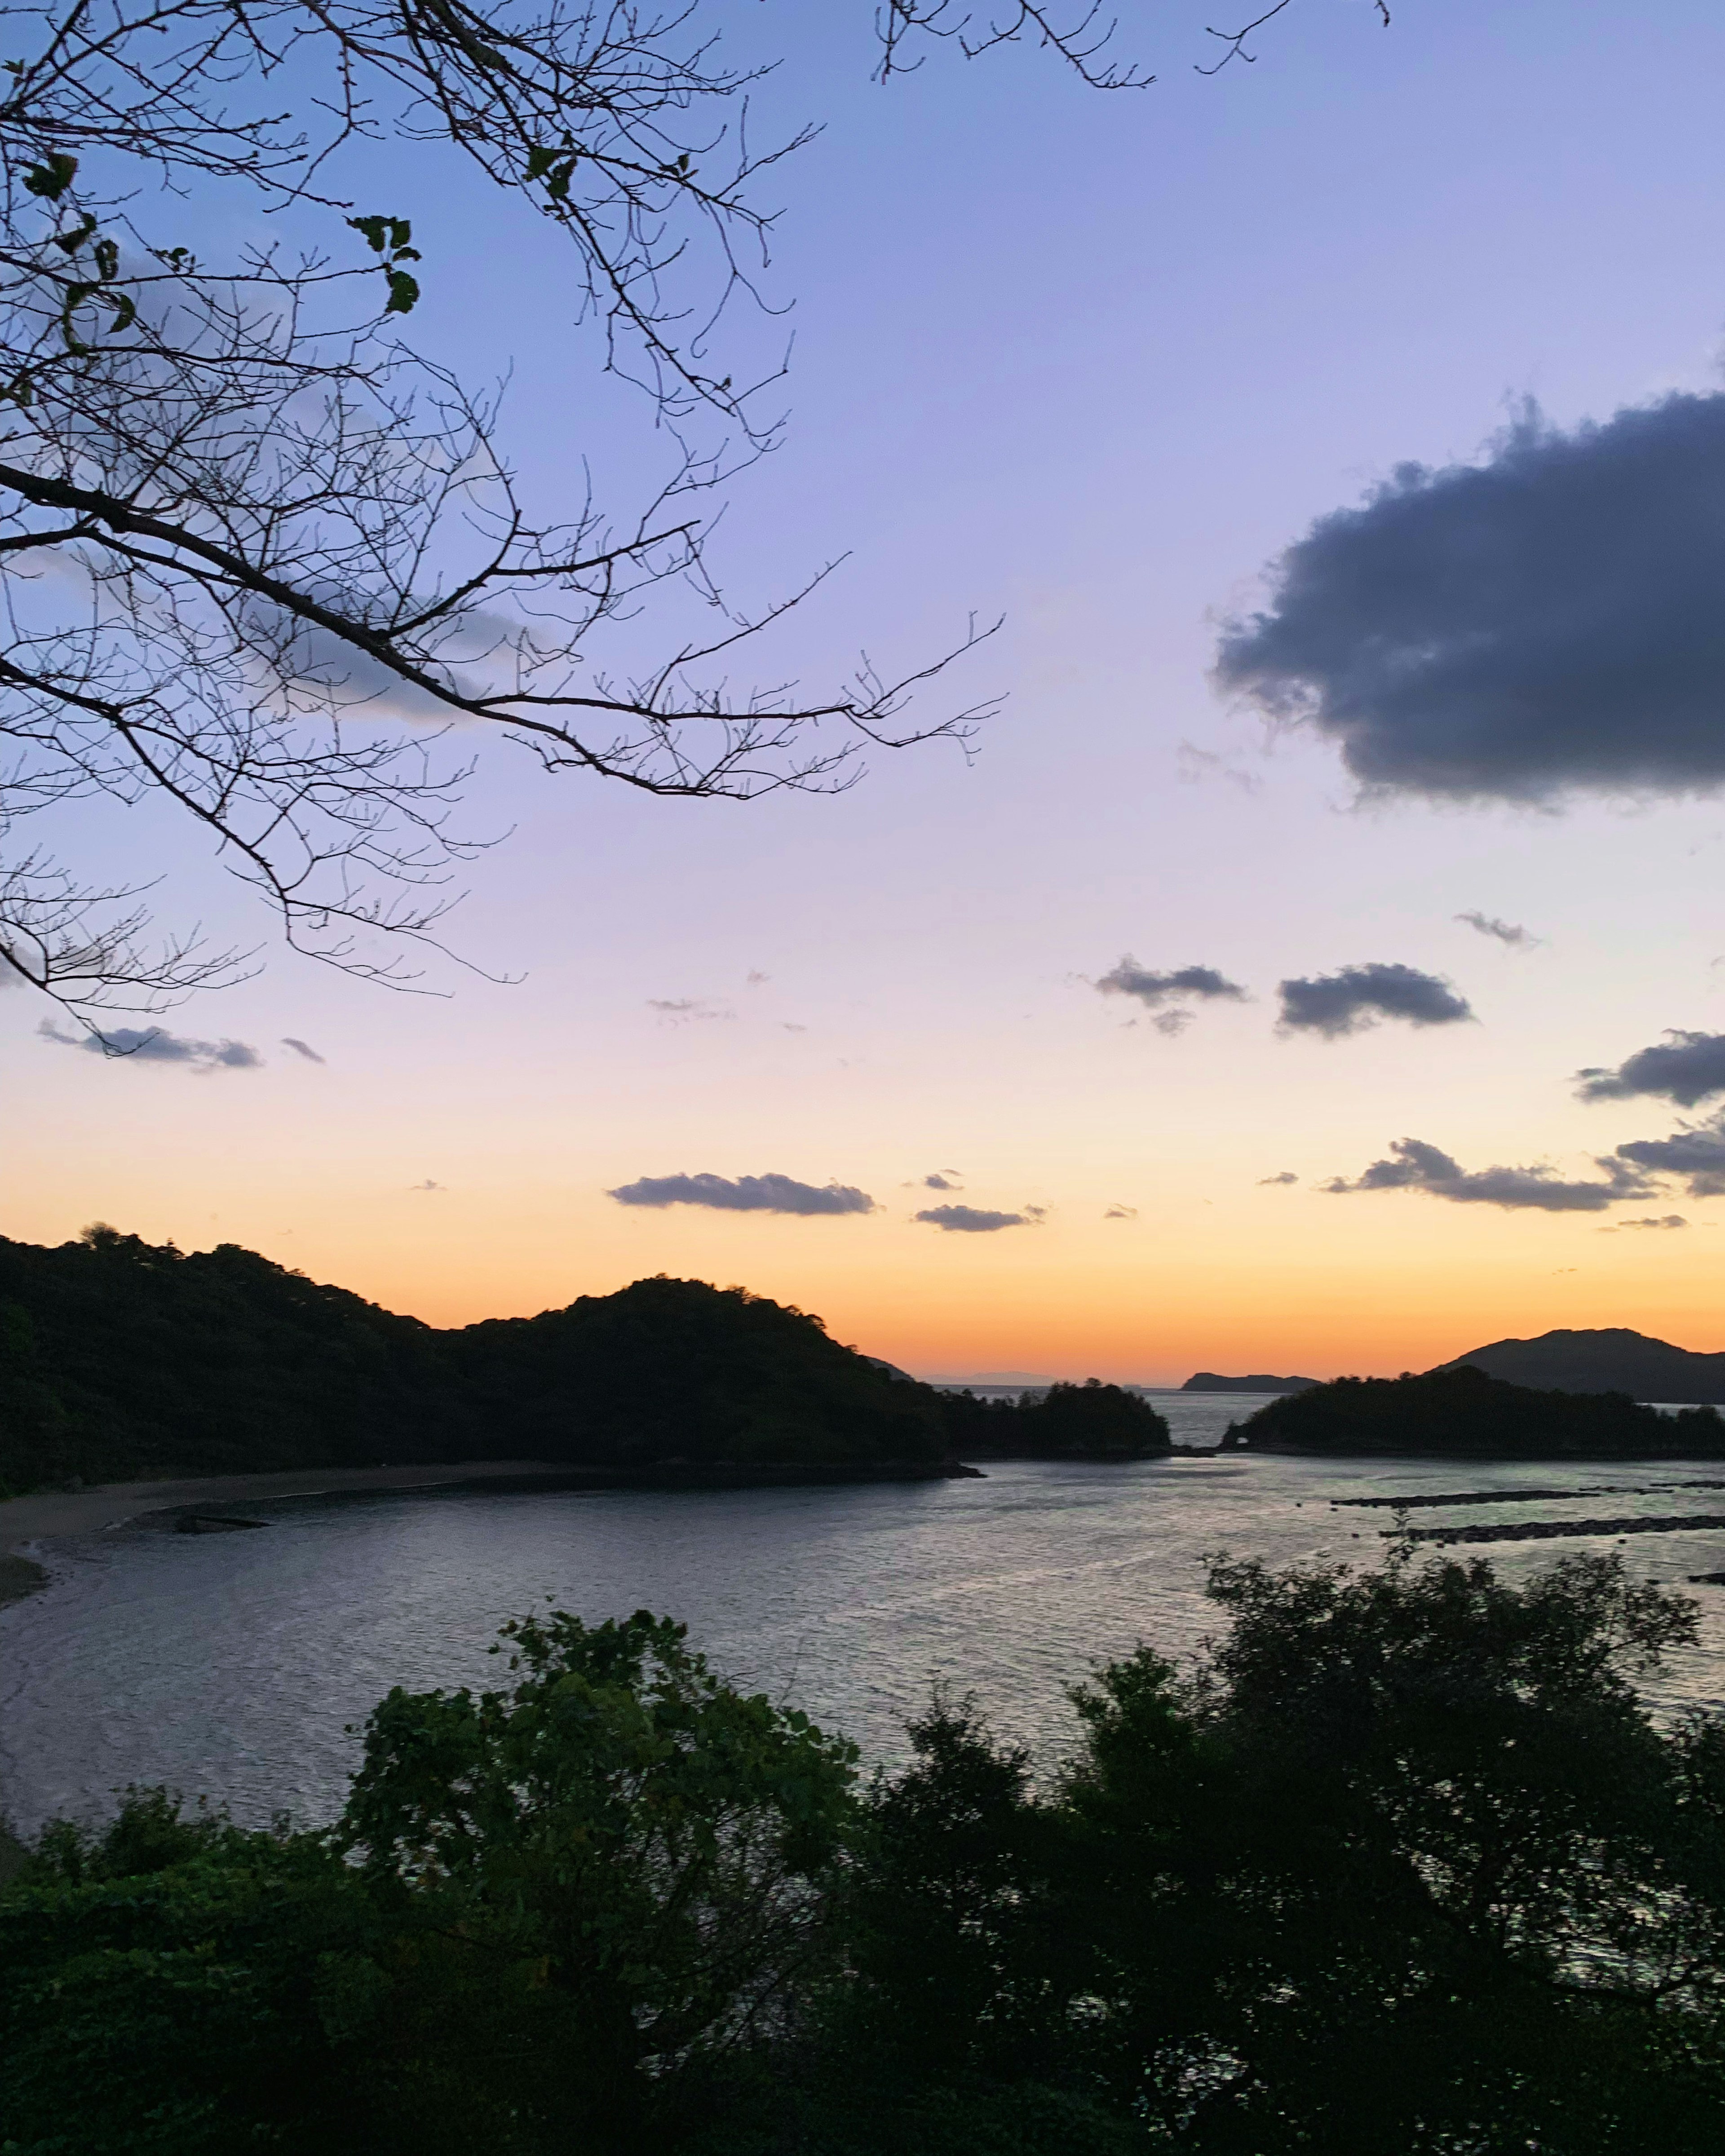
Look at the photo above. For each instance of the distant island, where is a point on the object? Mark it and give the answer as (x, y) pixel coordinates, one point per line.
(1463, 1413)
(1611, 1359)
(1207, 1381)
(123, 1360)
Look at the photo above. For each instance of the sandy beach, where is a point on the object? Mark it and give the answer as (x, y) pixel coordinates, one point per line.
(112, 1504)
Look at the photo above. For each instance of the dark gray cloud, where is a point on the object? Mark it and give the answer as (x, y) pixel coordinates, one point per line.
(1268, 1182)
(1502, 931)
(1662, 1220)
(1685, 1068)
(1155, 991)
(1544, 621)
(1696, 1153)
(971, 1220)
(1121, 1213)
(1357, 997)
(302, 1047)
(154, 1044)
(748, 1194)
(1414, 1165)
(939, 1182)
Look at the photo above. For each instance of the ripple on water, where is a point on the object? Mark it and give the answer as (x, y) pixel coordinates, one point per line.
(229, 1665)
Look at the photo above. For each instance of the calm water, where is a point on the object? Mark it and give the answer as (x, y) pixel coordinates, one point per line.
(228, 1663)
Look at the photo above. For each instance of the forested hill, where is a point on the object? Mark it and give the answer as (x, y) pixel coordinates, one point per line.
(1464, 1414)
(1609, 1359)
(123, 1359)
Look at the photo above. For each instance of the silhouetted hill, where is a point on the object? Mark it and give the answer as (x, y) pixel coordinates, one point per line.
(1462, 1413)
(121, 1358)
(1611, 1359)
(1207, 1381)
(675, 1370)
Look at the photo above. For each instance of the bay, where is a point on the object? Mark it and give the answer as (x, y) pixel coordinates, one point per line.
(233, 1667)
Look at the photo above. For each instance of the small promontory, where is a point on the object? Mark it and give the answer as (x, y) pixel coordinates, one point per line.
(1464, 1413)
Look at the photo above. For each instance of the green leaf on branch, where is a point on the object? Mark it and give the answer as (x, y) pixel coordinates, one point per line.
(52, 178)
(403, 291)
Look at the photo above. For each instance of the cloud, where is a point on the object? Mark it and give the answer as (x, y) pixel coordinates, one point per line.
(428, 1185)
(1414, 1165)
(1687, 1069)
(1121, 1213)
(748, 1194)
(1154, 990)
(1357, 997)
(1696, 1152)
(683, 1010)
(757, 979)
(1505, 932)
(302, 1047)
(1543, 621)
(1663, 1220)
(943, 1181)
(1269, 1182)
(128, 1043)
(970, 1220)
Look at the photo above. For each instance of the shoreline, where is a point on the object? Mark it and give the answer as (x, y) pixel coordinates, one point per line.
(114, 1504)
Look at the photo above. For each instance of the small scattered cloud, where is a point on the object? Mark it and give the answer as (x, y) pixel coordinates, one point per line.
(1660, 1220)
(971, 1220)
(302, 1048)
(687, 1010)
(788, 1027)
(427, 1185)
(1273, 1182)
(1195, 766)
(1157, 990)
(747, 1193)
(758, 980)
(1036, 1212)
(941, 1182)
(1415, 1165)
(1501, 932)
(1695, 1153)
(1544, 621)
(1685, 1068)
(126, 1044)
(1356, 997)
(1121, 1213)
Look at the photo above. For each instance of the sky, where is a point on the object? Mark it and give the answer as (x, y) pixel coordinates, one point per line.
(1093, 364)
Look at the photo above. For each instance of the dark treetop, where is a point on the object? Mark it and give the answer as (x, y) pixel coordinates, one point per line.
(1463, 1413)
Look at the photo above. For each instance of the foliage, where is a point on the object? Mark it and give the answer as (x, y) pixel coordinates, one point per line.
(120, 1357)
(670, 1370)
(1090, 1421)
(1403, 1867)
(1463, 1411)
(1094, 1417)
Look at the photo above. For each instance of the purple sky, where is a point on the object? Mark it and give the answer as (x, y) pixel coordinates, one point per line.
(1092, 361)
